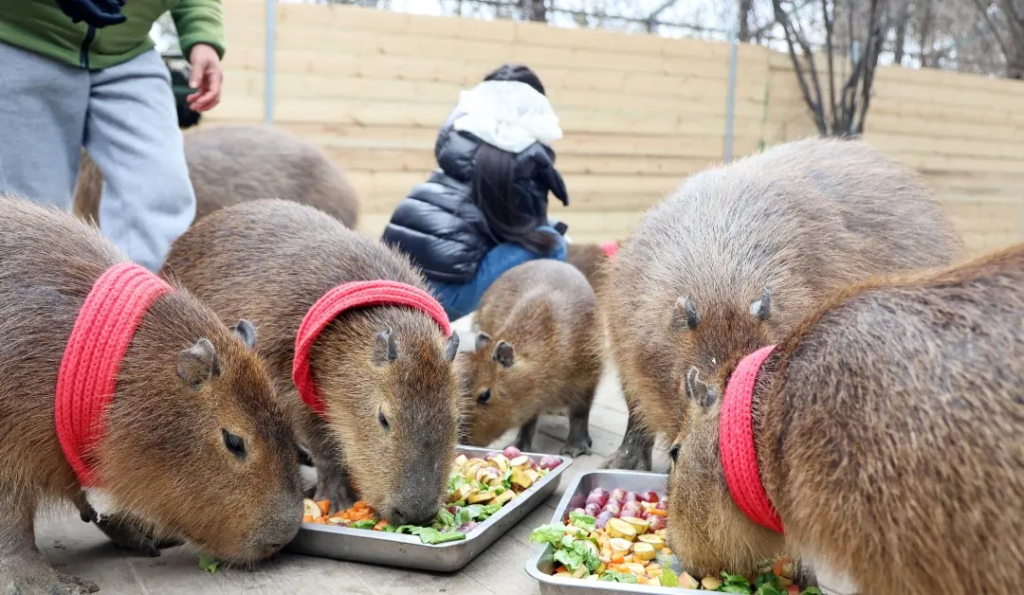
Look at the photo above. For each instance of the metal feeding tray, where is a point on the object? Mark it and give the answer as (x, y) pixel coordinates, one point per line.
(407, 551)
(541, 565)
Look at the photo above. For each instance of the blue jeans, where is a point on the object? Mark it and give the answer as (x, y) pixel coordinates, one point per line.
(460, 299)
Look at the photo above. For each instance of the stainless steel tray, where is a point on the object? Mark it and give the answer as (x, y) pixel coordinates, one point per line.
(407, 551)
(541, 565)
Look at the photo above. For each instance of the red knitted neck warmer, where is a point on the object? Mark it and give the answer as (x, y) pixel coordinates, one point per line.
(88, 372)
(736, 443)
(611, 248)
(347, 296)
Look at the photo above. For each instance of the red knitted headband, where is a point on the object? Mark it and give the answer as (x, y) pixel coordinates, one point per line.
(736, 443)
(88, 372)
(347, 296)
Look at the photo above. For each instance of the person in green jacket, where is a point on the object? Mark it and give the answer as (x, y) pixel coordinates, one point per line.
(85, 73)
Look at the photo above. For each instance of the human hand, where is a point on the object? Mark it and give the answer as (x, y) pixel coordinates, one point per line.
(206, 78)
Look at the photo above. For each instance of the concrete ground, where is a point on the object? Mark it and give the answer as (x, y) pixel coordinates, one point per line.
(80, 549)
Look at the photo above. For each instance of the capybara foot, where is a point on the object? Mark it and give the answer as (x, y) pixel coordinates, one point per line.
(47, 582)
(631, 459)
(336, 488)
(578, 445)
(128, 534)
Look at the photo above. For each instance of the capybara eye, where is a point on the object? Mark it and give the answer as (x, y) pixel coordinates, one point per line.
(674, 453)
(383, 420)
(484, 397)
(234, 443)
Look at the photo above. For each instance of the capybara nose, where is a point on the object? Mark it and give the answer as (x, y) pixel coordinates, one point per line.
(420, 515)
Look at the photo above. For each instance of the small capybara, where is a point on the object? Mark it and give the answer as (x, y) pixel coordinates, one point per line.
(238, 163)
(191, 428)
(739, 254)
(539, 348)
(385, 372)
(886, 430)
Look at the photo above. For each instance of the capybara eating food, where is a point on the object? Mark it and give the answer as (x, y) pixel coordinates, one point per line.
(739, 254)
(126, 396)
(538, 349)
(886, 430)
(233, 164)
(366, 374)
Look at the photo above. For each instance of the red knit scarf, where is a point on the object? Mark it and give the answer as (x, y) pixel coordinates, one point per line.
(611, 248)
(88, 372)
(736, 443)
(347, 296)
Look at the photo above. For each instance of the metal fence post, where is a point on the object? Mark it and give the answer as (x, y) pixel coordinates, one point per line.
(268, 78)
(730, 104)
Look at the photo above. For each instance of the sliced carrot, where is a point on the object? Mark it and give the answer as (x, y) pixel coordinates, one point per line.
(642, 580)
(777, 570)
(380, 526)
(662, 513)
(325, 506)
(561, 569)
(307, 518)
(618, 558)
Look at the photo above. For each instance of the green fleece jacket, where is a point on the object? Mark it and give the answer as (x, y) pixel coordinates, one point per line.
(41, 27)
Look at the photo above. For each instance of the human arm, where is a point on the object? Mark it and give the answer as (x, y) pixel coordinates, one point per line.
(201, 36)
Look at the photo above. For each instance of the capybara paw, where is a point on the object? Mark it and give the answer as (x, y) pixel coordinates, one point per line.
(127, 536)
(337, 491)
(575, 447)
(45, 583)
(624, 459)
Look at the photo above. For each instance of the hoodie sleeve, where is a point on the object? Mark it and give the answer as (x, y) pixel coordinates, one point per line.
(199, 21)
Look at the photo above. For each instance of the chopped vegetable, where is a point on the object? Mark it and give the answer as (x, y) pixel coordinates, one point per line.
(208, 563)
(613, 576)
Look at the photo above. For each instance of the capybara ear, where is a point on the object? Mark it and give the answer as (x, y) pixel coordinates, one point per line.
(246, 331)
(504, 354)
(684, 314)
(697, 391)
(385, 350)
(762, 306)
(198, 363)
(452, 347)
(482, 339)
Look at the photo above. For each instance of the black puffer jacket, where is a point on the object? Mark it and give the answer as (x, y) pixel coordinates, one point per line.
(438, 225)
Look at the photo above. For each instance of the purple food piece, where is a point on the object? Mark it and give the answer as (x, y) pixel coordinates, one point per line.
(511, 452)
(612, 508)
(657, 522)
(549, 462)
(632, 497)
(631, 509)
(592, 509)
(467, 527)
(618, 494)
(649, 497)
(602, 519)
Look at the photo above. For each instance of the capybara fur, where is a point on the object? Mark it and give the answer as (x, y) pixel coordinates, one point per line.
(236, 163)
(194, 428)
(737, 256)
(539, 348)
(888, 435)
(591, 260)
(385, 373)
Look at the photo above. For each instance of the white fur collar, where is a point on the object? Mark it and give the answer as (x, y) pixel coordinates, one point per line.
(508, 115)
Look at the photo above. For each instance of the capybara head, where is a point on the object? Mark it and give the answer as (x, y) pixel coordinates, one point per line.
(706, 529)
(394, 408)
(196, 443)
(710, 334)
(495, 388)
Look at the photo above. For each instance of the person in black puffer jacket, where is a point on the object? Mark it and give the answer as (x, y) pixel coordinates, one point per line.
(484, 209)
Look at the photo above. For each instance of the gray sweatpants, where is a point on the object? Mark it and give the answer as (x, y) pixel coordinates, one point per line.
(125, 118)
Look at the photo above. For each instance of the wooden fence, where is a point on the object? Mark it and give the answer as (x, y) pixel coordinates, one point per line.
(639, 112)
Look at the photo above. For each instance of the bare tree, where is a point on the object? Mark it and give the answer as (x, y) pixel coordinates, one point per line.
(839, 114)
(534, 10)
(1005, 20)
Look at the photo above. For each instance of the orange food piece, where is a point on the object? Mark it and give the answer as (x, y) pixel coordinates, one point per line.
(792, 590)
(662, 513)
(618, 558)
(642, 580)
(308, 518)
(325, 506)
(380, 526)
(561, 569)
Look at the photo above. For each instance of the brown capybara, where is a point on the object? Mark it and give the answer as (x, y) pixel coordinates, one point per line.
(229, 164)
(192, 429)
(887, 433)
(539, 348)
(739, 254)
(385, 372)
(590, 259)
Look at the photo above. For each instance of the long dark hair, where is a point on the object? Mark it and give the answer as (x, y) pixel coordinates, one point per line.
(516, 72)
(501, 206)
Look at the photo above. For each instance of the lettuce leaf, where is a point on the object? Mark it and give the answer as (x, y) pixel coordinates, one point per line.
(583, 521)
(669, 578)
(551, 533)
(618, 577)
(208, 563)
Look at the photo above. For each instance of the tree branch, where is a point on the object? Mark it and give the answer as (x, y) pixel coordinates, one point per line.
(782, 19)
(983, 9)
(830, 53)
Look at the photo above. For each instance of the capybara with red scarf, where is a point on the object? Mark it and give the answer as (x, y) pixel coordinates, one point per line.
(737, 256)
(539, 348)
(374, 396)
(883, 436)
(130, 399)
(229, 164)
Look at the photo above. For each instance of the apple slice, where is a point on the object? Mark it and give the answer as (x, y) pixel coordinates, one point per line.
(687, 582)
(620, 546)
(643, 551)
(656, 541)
(620, 528)
(311, 509)
(639, 524)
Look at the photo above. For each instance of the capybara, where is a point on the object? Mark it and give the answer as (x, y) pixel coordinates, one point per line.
(236, 163)
(739, 254)
(886, 430)
(385, 372)
(539, 348)
(590, 259)
(183, 425)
